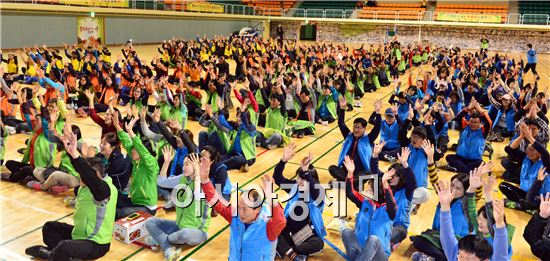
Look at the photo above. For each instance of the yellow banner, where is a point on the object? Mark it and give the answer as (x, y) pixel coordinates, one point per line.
(476, 18)
(102, 3)
(349, 30)
(205, 7)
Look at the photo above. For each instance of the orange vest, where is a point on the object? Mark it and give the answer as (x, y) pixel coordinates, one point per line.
(7, 108)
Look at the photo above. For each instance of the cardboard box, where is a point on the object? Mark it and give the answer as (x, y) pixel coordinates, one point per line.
(131, 228)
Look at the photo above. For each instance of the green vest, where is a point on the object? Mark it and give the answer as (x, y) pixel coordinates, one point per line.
(259, 98)
(274, 119)
(180, 115)
(66, 166)
(376, 81)
(164, 111)
(93, 221)
(224, 137)
(361, 83)
(253, 115)
(424, 57)
(402, 66)
(331, 105)
(349, 97)
(397, 53)
(269, 132)
(417, 58)
(44, 151)
(187, 217)
(247, 142)
(213, 98)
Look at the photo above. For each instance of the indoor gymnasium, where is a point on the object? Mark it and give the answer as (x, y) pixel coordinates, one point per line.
(274, 130)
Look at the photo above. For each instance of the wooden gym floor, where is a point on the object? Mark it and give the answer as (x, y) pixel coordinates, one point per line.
(24, 211)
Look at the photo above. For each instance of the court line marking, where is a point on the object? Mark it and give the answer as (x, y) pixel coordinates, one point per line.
(28, 232)
(19, 203)
(10, 255)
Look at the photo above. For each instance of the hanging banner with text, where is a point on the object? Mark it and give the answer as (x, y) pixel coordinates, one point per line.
(205, 7)
(101, 3)
(475, 18)
(90, 30)
(349, 30)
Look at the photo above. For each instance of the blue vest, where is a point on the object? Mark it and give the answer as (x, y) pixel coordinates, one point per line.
(471, 144)
(315, 212)
(418, 162)
(389, 134)
(373, 222)
(251, 243)
(179, 157)
(363, 148)
(529, 172)
(403, 208)
(461, 226)
(510, 123)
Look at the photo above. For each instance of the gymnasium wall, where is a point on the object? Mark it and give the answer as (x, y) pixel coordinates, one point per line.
(466, 38)
(20, 30)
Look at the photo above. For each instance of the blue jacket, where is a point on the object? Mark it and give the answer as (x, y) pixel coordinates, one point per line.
(471, 144)
(251, 243)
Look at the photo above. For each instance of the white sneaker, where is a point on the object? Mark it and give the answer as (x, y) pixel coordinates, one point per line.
(151, 242)
(172, 253)
(11, 130)
(169, 204)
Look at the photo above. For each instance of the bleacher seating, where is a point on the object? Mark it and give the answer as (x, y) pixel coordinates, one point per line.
(501, 9)
(389, 11)
(272, 8)
(328, 5)
(536, 10)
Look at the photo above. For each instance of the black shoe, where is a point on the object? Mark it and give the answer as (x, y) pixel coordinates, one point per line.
(40, 252)
(5, 176)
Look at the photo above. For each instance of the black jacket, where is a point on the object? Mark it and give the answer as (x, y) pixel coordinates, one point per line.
(536, 234)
